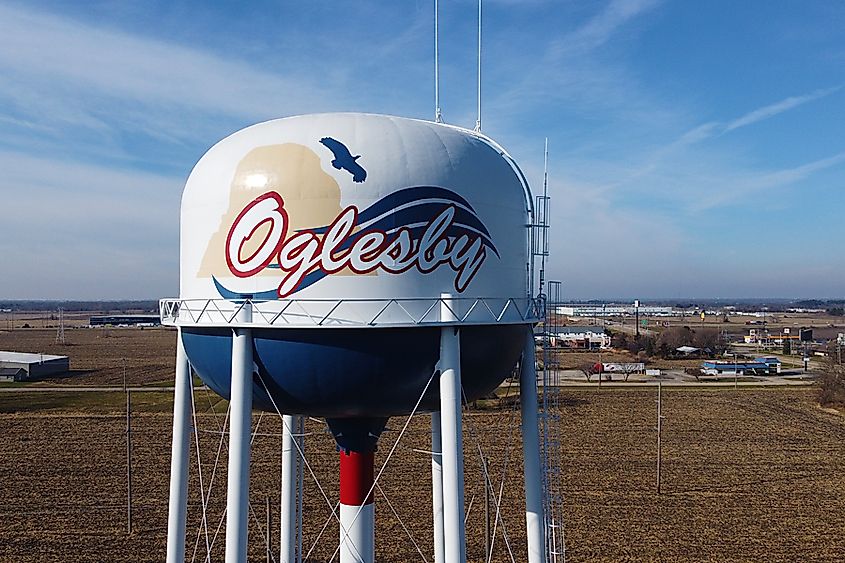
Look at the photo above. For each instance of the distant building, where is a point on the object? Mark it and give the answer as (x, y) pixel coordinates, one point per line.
(19, 366)
(616, 311)
(773, 363)
(617, 367)
(759, 366)
(764, 337)
(125, 320)
(581, 337)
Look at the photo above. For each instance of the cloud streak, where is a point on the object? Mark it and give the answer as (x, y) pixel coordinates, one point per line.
(599, 29)
(777, 108)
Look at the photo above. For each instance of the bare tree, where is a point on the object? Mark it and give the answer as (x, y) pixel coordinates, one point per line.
(588, 369)
(695, 372)
(628, 368)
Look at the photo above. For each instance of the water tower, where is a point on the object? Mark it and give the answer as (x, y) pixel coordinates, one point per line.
(354, 267)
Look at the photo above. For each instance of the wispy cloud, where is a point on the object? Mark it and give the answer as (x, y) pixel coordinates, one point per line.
(716, 128)
(744, 186)
(600, 28)
(777, 108)
(58, 70)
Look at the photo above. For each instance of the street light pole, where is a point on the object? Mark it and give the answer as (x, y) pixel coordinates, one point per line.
(637, 315)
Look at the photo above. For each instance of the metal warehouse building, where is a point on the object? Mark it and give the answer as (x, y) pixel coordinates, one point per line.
(125, 320)
(20, 366)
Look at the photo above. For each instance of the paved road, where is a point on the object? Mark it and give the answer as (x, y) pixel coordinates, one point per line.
(677, 378)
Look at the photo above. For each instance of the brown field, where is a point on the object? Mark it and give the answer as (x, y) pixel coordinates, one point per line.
(754, 474)
(98, 355)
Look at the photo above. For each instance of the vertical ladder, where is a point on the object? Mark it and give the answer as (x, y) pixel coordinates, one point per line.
(549, 298)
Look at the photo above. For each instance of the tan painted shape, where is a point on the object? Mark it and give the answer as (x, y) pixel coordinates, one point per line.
(311, 196)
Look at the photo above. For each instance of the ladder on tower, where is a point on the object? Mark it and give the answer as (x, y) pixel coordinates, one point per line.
(549, 297)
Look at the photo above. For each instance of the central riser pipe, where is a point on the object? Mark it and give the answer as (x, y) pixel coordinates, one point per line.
(357, 510)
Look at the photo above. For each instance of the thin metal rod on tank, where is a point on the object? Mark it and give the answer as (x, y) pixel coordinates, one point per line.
(178, 504)
(288, 533)
(237, 495)
(438, 117)
(478, 118)
(451, 435)
(531, 451)
(437, 487)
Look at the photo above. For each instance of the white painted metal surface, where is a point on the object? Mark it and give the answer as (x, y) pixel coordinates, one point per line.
(349, 313)
(240, 429)
(178, 502)
(358, 544)
(531, 451)
(259, 209)
(437, 487)
(454, 535)
(290, 485)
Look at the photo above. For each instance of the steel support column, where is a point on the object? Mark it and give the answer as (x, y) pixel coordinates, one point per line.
(531, 452)
(178, 504)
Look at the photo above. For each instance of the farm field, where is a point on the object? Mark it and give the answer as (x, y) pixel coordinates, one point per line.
(98, 355)
(751, 474)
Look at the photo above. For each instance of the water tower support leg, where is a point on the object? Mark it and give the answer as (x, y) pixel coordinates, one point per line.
(237, 496)
(289, 485)
(178, 505)
(437, 487)
(357, 511)
(531, 451)
(452, 443)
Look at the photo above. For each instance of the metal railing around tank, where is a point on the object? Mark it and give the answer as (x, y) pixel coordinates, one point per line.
(349, 313)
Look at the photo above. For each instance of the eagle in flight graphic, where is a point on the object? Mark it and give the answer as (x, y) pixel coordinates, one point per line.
(343, 159)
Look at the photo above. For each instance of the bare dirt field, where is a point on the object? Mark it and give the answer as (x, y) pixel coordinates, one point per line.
(753, 474)
(98, 355)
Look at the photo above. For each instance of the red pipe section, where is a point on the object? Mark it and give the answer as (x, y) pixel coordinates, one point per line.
(356, 477)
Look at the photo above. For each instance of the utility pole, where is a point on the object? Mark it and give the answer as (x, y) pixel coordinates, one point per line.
(736, 369)
(267, 529)
(128, 452)
(488, 544)
(637, 316)
(659, 429)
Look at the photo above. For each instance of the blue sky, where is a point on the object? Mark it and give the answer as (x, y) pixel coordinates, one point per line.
(696, 148)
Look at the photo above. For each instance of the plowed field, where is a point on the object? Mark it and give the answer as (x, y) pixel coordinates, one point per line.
(747, 475)
(98, 356)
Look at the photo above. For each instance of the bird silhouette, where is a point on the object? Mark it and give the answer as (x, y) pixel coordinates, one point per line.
(343, 159)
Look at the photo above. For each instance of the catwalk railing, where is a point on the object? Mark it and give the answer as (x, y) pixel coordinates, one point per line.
(349, 313)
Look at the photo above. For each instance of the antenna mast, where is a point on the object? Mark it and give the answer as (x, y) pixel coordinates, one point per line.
(438, 116)
(478, 119)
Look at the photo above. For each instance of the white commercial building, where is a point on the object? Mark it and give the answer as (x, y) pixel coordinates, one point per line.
(20, 366)
(585, 337)
(616, 311)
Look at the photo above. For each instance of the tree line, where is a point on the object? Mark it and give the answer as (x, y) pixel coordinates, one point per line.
(665, 345)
